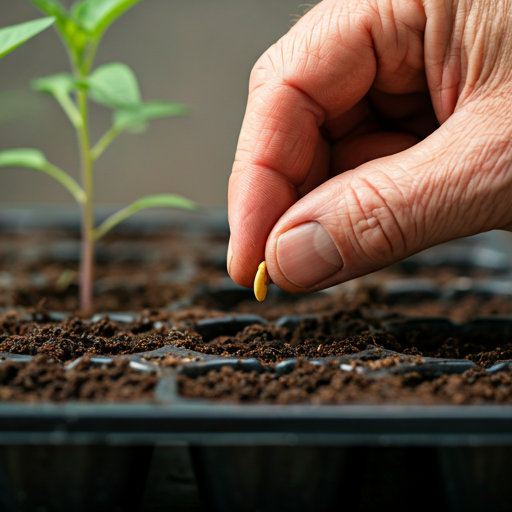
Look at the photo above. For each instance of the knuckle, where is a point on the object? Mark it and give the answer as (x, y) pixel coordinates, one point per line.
(266, 68)
(483, 177)
(306, 50)
(381, 224)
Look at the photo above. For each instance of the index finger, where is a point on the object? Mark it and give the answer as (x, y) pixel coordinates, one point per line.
(318, 71)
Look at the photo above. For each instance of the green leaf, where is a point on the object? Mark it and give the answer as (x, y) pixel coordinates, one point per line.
(161, 200)
(31, 158)
(95, 16)
(61, 83)
(75, 38)
(152, 201)
(35, 159)
(50, 7)
(12, 37)
(60, 86)
(136, 121)
(114, 85)
(139, 115)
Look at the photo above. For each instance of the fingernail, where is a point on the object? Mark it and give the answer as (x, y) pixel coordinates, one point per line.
(307, 255)
(229, 256)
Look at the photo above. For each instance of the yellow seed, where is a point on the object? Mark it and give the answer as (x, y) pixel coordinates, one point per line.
(261, 282)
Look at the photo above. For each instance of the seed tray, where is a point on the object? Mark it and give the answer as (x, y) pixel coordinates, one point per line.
(190, 454)
(80, 456)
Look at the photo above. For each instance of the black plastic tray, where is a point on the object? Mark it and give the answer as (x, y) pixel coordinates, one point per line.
(258, 457)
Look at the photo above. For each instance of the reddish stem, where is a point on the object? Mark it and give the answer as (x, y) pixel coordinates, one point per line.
(87, 254)
(86, 267)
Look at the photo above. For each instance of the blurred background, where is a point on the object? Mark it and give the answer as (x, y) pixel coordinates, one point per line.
(199, 53)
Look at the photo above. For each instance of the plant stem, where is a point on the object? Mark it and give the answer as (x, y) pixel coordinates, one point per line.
(89, 58)
(81, 70)
(87, 253)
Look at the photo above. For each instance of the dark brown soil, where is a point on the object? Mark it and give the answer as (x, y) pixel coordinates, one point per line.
(460, 310)
(73, 338)
(161, 277)
(132, 272)
(344, 336)
(273, 344)
(332, 335)
(137, 272)
(41, 380)
(327, 384)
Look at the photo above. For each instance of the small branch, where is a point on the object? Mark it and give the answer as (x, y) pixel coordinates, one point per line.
(71, 110)
(104, 143)
(111, 222)
(67, 181)
(143, 203)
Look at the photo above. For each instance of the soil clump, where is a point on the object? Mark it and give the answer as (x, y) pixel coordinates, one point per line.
(73, 338)
(42, 380)
(327, 384)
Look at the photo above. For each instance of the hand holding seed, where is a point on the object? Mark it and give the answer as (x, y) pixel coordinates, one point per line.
(373, 130)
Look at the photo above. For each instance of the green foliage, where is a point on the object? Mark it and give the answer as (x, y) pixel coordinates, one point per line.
(35, 159)
(112, 85)
(75, 38)
(31, 158)
(139, 115)
(60, 86)
(152, 201)
(51, 7)
(56, 85)
(12, 37)
(95, 16)
(82, 28)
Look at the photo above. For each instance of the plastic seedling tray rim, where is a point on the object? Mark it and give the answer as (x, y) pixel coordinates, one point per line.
(228, 424)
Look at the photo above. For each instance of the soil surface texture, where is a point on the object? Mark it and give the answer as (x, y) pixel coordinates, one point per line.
(70, 339)
(328, 384)
(174, 281)
(330, 337)
(133, 272)
(43, 380)
(336, 334)
(171, 271)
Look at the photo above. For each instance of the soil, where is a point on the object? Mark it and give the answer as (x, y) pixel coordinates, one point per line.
(460, 310)
(334, 334)
(337, 337)
(132, 273)
(274, 344)
(172, 282)
(137, 272)
(42, 380)
(328, 384)
(73, 338)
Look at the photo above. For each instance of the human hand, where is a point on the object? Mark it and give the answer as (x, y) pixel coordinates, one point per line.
(374, 129)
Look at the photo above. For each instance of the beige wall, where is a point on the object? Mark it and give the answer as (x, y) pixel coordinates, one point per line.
(198, 52)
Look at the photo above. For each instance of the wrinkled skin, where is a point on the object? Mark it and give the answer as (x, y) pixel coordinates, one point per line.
(388, 122)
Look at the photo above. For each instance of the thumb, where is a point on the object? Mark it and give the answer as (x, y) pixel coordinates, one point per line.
(455, 183)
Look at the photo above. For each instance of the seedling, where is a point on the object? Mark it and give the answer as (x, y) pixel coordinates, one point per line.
(111, 85)
(261, 282)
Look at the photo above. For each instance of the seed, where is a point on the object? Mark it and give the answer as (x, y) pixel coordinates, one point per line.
(261, 282)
